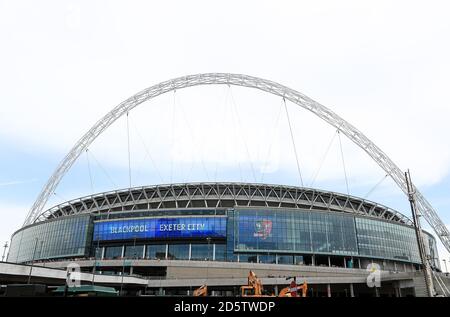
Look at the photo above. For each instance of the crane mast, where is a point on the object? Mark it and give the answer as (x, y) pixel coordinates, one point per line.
(426, 267)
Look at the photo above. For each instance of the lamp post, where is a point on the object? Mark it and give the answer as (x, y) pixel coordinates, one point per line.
(121, 281)
(209, 247)
(66, 286)
(32, 260)
(4, 250)
(95, 259)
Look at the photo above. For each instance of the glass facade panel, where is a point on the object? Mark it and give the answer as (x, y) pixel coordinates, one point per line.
(178, 252)
(220, 250)
(256, 235)
(285, 259)
(386, 240)
(201, 252)
(319, 232)
(156, 251)
(248, 258)
(299, 260)
(267, 258)
(294, 231)
(98, 252)
(113, 252)
(315, 232)
(65, 237)
(431, 249)
(134, 251)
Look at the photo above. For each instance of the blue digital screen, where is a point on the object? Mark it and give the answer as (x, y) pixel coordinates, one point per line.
(160, 228)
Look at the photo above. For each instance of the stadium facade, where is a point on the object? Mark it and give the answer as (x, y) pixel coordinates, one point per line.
(177, 237)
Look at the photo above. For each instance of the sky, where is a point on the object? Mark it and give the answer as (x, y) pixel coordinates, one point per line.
(381, 65)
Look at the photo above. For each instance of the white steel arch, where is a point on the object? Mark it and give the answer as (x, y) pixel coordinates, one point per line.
(299, 99)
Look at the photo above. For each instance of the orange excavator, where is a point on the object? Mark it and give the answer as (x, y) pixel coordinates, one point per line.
(293, 290)
(254, 287)
(201, 291)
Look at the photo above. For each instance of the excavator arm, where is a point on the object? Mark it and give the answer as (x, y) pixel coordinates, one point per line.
(287, 291)
(201, 291)
(254, 286)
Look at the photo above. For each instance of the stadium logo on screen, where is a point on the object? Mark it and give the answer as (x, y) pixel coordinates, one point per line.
(263, 229)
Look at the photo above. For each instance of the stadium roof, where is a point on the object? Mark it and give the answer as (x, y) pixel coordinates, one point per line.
(221, 195)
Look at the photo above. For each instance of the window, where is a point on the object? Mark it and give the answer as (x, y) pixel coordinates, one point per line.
(178, 252)
(248, 258)
(220, 252)
(98, 252)
(285, 259)
(201, 252)
(113, 252)
(156, 251)
(64, 237)
(267, 258)
(134, 251)
(299, 260)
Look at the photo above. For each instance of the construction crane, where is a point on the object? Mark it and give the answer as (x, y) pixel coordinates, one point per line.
(426, 267)
(201, 291)
(293, 289)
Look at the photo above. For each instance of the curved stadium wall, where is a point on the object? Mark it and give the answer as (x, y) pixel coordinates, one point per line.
(223, 222)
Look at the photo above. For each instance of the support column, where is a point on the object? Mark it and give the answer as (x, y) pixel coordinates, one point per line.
(352, 291)
(359, 263)
(276, 289)
(313, 260)
(328, 290)
(345, 262)
(329, 261)
(377, 292)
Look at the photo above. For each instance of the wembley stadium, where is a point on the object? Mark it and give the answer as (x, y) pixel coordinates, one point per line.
(228, 238)
(182, 236)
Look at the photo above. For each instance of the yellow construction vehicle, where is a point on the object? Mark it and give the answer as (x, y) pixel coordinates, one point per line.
(294, 289)
(201, 291)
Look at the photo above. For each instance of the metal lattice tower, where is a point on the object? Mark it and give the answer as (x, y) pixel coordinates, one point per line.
(423, 206)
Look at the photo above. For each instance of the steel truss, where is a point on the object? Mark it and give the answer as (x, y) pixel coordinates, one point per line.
(424, 207)
(221, 195)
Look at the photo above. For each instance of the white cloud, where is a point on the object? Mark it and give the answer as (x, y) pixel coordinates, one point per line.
(368, 67)
(17, 182)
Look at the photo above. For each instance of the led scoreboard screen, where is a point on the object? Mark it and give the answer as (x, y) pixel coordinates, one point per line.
(160, 228)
